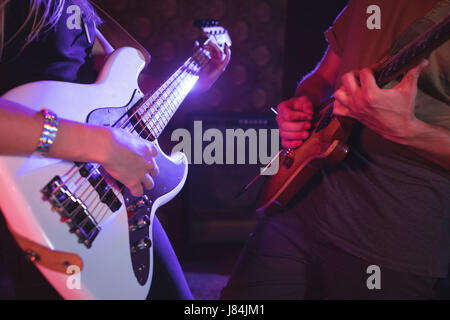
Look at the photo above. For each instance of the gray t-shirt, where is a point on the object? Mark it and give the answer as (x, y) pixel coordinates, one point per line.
(384, 203)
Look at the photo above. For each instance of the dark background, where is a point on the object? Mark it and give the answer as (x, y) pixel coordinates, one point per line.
(275, 44)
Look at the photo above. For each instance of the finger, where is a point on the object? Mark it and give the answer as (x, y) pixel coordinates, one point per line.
(341, 103)
(369, 87)
(291, 144)
(299, 135)
(303, 104)
(227, 54)
(342, 96)
(136, 189)
(214, 51)
(223, 61)
(155, 170)
(153, 150)
(151, 167)
(293, 116)
(294, 126)
(287, 112)
(351, 85)
(148, 182)
(412, 76)
(340, 109)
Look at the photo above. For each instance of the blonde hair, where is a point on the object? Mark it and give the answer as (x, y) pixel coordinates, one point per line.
(42, 15)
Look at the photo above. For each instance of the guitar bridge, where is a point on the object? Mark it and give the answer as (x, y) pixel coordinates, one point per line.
(72, 211)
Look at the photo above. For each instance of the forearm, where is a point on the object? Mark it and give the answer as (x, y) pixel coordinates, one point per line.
(431, 142)
(319, 85)
(21, 128)
(315, 87)
(127, 158)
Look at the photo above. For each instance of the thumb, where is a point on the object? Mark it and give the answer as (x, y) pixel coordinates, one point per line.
(412, 76)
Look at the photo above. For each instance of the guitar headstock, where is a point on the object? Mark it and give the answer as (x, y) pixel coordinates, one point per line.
(213, 32)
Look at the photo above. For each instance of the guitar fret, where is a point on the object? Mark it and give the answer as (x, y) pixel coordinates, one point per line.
(153, 123)
(418, 47)
(159, 108)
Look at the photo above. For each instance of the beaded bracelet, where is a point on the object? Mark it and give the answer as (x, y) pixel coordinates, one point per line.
(48, 133)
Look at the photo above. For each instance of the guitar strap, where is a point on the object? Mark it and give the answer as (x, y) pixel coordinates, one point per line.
(116, 35)
(57, 261)
(420, 25)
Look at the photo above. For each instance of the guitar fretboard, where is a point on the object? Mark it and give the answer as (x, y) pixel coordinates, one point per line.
(413, 52)
(399, 63)
(158, 108)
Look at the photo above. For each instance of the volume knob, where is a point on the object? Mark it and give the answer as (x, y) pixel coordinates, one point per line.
(142, 202)
(142, 223)
(142, 244)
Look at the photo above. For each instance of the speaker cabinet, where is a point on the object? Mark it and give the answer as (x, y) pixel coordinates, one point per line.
(215, 215)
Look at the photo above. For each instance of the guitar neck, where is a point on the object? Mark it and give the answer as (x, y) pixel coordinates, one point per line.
(394, 66)
(160, 105)
(411, 55)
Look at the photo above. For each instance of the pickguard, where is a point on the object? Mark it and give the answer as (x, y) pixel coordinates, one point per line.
(140, 217)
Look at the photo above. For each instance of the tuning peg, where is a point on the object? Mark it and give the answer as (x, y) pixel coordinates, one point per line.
(205, 23)
(199, 23)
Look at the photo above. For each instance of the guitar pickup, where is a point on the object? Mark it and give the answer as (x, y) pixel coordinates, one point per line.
(104, 191)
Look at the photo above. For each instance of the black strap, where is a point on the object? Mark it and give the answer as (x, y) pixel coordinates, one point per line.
(116, 35)
(420, 25)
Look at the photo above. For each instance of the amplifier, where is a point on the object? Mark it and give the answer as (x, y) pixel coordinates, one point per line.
(227, 151)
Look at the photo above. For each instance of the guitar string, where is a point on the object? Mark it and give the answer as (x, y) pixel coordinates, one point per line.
(154, 124)
(127, 123)
(95, 168)
(197, 52)
(78, 185)
(152, 119)
(175, 90)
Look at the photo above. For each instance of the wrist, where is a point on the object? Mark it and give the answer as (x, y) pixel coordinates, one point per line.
(99, 144)
(49, 131)
(416, 131)
(315, 88)
(88, 143)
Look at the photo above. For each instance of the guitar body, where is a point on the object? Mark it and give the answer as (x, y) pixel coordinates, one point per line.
(297, 166)
(110, 270)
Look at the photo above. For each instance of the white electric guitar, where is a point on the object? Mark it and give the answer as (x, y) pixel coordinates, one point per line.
(86, 233)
